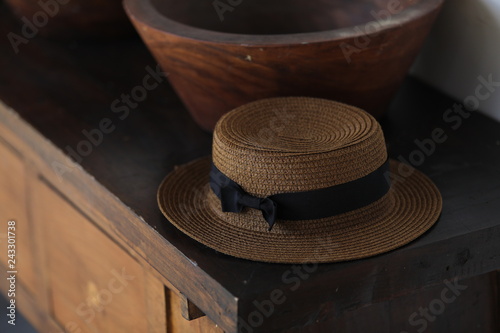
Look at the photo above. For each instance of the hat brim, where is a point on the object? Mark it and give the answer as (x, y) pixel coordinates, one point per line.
(415, 205)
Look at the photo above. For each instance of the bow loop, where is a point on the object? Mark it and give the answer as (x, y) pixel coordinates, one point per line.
(234, 199)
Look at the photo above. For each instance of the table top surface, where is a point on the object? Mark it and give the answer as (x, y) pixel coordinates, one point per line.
(61, 89)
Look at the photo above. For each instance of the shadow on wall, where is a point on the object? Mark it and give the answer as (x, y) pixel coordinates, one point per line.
(464, 44)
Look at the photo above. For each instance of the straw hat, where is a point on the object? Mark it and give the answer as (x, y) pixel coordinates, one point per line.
(294, 180)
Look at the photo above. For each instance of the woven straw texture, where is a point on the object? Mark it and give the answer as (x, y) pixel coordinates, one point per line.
(298, 144)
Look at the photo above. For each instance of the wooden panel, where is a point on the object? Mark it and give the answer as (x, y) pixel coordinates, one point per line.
(94, 285)
(188, 309)
(169, 308)
(468, 305)
(13, 207)
(29, 308)
(178, 324)
(496, 310)
(155, 297)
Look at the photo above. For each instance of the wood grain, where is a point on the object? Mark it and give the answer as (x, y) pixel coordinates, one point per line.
(469, 310)
(13, 206)
(178, 324)
(30, 307)
(93, 282)
(496, 292)
(155, 299)
(189, 310)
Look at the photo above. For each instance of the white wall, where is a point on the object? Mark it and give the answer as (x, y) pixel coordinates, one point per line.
(464, 44)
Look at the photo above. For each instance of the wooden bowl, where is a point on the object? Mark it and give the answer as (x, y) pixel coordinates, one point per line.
(353, 51)
(72, 19)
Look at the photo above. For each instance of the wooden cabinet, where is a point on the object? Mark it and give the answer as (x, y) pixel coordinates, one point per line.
(70, 268)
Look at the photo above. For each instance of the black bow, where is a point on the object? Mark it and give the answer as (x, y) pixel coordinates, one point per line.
(234, 199)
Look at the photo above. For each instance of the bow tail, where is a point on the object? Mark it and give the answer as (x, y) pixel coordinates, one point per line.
(234, 199)
(269, 210)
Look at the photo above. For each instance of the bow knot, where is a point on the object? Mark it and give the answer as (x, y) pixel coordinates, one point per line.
(234, 199)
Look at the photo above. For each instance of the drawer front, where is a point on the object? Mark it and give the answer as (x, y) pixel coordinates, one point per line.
(95, 286)
(13, 208)
(178, 324)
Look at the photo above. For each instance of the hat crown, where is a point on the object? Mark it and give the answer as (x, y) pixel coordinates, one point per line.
(282, 145)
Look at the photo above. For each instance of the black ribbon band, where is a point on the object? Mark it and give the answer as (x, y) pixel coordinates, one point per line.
(307, 205)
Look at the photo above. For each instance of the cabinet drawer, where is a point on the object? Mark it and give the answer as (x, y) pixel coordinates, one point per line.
(95, 286)
(13, 207)
(176, 321)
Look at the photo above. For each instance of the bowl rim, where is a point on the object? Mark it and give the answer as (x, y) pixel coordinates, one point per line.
(145, 12)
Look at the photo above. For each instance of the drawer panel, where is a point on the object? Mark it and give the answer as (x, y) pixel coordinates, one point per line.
(95, 286)
(13, 207)
(178, 324)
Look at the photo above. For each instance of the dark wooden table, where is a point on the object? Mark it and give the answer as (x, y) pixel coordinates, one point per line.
(61, 89)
